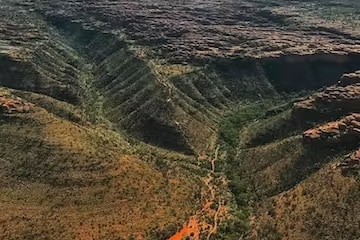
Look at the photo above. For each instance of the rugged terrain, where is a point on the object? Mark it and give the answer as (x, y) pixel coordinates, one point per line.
(310, 181)
(179, 119)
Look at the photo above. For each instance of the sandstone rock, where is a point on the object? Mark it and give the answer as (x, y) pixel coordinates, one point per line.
(350, 78)
(334, 101)
(351, 161)
(335, 132)
(10, 106)
(226, 28)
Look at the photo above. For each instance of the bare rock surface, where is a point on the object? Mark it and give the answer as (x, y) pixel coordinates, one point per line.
(337, 131)
(10, 105)
(335, 100)
(351, 161)
(350, 78)
(204, 30)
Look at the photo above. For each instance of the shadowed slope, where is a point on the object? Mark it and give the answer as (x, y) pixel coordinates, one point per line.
(62, 180)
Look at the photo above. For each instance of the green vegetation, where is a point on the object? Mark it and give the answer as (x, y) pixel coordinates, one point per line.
(71, 179)
(345, 11)
(249, 124)
(92, 98)
(229, 131)
(231, 125)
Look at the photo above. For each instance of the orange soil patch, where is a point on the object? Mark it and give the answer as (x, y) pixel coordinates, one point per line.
(190, 229)
(202, 156)
(86, 232)
(194, 226)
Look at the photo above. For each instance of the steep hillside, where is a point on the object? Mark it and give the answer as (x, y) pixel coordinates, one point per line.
(66, 180)
(174, 105)
(324, 206)
(306, 186)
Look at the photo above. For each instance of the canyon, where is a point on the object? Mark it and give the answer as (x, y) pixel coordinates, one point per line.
(179, 119)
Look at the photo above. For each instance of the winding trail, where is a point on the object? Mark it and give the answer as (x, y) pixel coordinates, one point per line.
(194, 226)
(206, 210)
(215, 158)
(212, 189)
(216, 222)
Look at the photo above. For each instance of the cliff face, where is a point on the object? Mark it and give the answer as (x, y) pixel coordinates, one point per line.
(199, 31)
(334, 102)
(172, 105)
(313, 177)
(338, 100)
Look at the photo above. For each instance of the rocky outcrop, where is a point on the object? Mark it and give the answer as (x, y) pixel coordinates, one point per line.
(332, 102)
(192, 31)
(329, 104)
(350, 79)
(350, 161)
(13, 105)
(344, 130)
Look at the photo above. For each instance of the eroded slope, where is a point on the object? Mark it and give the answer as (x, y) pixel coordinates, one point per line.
(65, 180)
(309, 187)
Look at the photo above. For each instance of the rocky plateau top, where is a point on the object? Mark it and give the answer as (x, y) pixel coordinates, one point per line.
(199, 31)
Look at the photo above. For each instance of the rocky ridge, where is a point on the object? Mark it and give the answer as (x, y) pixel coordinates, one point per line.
(203, 30)
(9, 105)
(335, 101)
(115, 47)
(344, 130)
(350, 162)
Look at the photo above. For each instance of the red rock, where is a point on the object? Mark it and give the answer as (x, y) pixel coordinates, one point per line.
(351, 161)
(219, 28)
(9, 105)
(336, 100)
(335, 132)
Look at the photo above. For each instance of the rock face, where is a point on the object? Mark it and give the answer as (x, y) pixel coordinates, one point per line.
(201, 31)
(350, 162)
(344, 130)
(10, 105)
(350, 79)
(334, 101)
